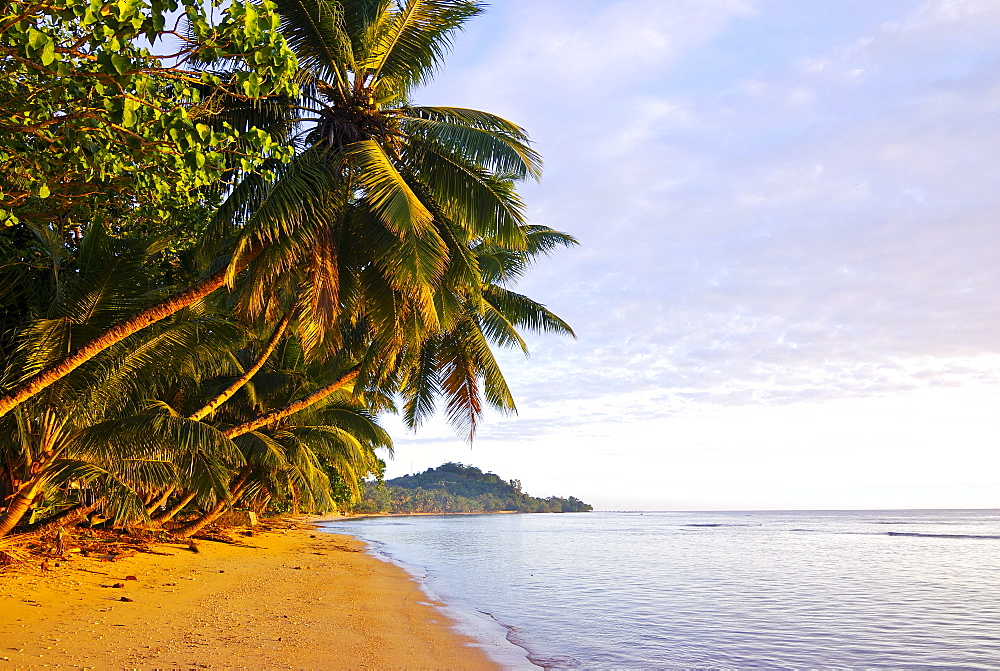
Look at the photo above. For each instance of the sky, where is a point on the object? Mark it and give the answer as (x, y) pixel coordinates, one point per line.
(787, 288)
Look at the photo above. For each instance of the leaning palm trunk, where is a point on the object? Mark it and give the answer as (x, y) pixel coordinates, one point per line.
(114, 335)
(21, 502)
(170, 514)
(193, 527)
(210, 407)
(70, 518)
(153, 505)
(16, 509)
(294, 406)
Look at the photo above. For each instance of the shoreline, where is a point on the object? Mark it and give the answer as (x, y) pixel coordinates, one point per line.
(290, 598)
(358, 516)
(492, 635)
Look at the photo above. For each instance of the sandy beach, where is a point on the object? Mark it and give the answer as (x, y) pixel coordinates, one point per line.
(293, 598)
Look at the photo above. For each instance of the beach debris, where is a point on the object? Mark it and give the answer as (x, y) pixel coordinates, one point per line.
(239, 518)
(193, 546)
(118, 585)
(12, 550)
(130, 577)
(125, 598)
(344, 548)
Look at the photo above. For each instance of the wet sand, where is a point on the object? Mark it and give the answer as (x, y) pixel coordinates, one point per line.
(286, 600)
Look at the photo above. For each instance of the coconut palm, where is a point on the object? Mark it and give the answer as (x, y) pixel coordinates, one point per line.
(289, 457)
(383, 198)
(96, 424)
(384, 250)
(458, 363)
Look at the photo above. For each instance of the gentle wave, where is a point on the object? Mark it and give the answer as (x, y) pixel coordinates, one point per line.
(914, 534)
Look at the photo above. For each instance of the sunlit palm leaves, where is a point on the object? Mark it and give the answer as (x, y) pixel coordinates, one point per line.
(387, 249)
(382, 198)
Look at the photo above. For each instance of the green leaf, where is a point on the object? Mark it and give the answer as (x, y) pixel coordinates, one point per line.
(128, 115)
(36, 38)
(120, 63)
(48, 52)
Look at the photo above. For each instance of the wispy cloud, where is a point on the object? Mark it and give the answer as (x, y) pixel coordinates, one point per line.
(778, 201)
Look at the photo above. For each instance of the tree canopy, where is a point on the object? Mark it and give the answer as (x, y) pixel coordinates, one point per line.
(230, 243)
(92, 113)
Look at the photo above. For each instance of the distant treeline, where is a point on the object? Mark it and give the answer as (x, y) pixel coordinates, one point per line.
(456, 488)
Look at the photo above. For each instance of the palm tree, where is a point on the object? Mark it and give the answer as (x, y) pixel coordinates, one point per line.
(289, 456)
(382, 200)
(96, 426)
(458, 363)
(379, 216)
(384, 251)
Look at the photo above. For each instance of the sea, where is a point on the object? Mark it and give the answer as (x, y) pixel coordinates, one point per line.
(742, 590)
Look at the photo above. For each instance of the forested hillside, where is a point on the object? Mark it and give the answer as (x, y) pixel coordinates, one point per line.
(456, 488)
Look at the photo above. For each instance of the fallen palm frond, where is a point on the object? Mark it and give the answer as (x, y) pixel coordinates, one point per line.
(13, 550)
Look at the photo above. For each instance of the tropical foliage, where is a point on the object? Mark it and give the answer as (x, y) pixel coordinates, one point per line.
(89, 117)
(231, 245)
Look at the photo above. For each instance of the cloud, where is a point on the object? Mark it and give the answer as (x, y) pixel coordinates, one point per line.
(840, 209)
(779, 203)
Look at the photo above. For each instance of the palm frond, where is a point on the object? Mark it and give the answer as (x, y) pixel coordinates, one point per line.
(422, 386)
(524, 312)
(472, 197)
(495, 150)
(413, 40)
(389, 194)
(316, 32)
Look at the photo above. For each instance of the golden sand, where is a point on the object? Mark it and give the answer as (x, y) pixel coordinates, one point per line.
(285, 600)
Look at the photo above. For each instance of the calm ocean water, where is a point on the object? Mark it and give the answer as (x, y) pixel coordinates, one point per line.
(737, 590)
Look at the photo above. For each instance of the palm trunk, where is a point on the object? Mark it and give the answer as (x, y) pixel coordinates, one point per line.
(170, 514)
(193, 527)
(70, 518)
(29, 489)
(18, 506)
(294, 406)
(114, 335)
(210, 407)
(152, 506)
